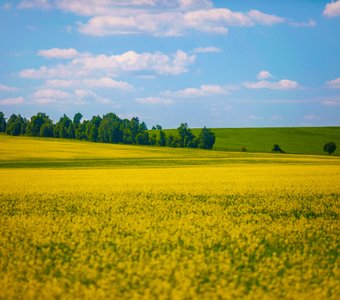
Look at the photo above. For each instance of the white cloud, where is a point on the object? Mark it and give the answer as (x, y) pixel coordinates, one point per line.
(82, 96)
(154, 17)
(12, 101)
(332, 9)
(284, 84)
(103, 82)
(61, 83)
(84, 93)
(161, 24)
(331, 102)
(154, 100)
(6, 88)
(264, 19)
(130, 61)
(175, 23)
(59, 53)
(116, 7)
(203, 91)
(334, 84)
(55, 96)
(207, 50)
(106, 82)
(195, 4)
(42, 4)
(50, 94)
(309, 23)
(263, 75)
(147, 76)
(58, 71)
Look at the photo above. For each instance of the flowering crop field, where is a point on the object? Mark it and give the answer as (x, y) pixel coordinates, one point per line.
(94, 221)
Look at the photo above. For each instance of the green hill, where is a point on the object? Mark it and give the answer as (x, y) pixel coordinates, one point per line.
(299, 140)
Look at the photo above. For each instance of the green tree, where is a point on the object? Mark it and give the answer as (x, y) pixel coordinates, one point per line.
(157, 127)
(110, 129)
(142, 127)
(34, 125)
(76, 119)
(134, 129)
(64, 128)
(71, 131)
(2, 122)
(46, 130)
(185, 135)
(142, 138)
(206, 139)
(162, 138)
(16, 125)
(92, 128)
(81, 131)
(329, 147)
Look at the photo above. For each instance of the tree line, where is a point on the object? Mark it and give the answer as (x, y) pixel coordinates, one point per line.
(106, 129)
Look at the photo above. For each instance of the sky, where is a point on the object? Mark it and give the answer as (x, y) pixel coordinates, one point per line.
(223, 63)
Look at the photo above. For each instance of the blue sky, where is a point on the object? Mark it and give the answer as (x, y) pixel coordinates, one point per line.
(227, 63)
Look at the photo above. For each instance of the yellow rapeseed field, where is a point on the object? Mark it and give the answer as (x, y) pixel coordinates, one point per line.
(94, 221)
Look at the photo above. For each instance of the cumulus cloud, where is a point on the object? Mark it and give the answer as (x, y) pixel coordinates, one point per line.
(103, 82)
(130, 61)
(154, 17)
(6, 88)
(284, 84)
(59, 53)
(61, 83)
(332, 9)
(114, 7)
(334, 84)
(155, 100)
(174, 23)
(207, 90)
(76, 97)
(50, 94)
(106, 82)
(207, 50)
(58, 71)
(263, 75)
(309, 23)
(194, 4)
(264, 19)
(12, 101)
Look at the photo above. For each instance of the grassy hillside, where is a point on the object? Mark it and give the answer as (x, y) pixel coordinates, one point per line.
(299, 140)
(28, 152)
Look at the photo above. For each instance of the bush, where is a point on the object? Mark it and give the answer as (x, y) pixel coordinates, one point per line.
(329, 147)
(277, 149)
